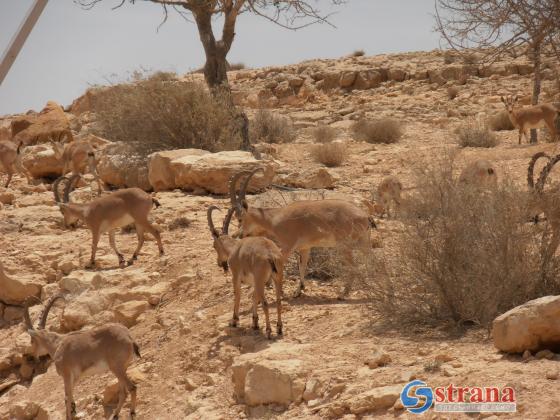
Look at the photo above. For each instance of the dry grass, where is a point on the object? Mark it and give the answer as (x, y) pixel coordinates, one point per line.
(161, 114)
(464, 255)
(384, 130)
(452, 92)
(269, 127)
(324, 134)
(500, 122)
(475, 134)
(236, 66)
(330, 154)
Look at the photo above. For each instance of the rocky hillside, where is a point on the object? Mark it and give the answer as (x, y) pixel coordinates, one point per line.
(337, 358)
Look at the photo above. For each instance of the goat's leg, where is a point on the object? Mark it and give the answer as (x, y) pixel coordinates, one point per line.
(236, 298)
(113, 244)
(69, 398)
(552, 128)
(255, 308)
(94, 242)
(10, 175)
(122, 399)
(278, 279)
(260, 294)
(303, 260)
(140, 235)
(148, 227)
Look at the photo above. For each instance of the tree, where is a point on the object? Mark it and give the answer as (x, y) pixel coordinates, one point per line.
(503, 26)
(290, 14)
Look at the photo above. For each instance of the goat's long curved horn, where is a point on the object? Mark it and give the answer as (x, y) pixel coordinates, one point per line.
(531, 168)
(55, 188)
(70, 187)
(45, 314)
(26, 317)
(545, 172)
(243, 190)
(227, 220)
(235, 202)
(213, 230)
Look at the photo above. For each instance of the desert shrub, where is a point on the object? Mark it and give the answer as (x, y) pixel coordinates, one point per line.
(449, 57)
(330, 154)
(452, 92)
(358, 53)
(269, 127)
(156, 114)
(470, 58)
(465, 255)
(236, 66)
(500, 122)
(322, 265)
(324, 134)
(385, 130)
(163, 76)
(475, 134)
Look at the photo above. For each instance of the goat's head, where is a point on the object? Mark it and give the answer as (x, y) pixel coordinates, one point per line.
(41, 339)
(510, 103)
(245, 217)
(222, 241)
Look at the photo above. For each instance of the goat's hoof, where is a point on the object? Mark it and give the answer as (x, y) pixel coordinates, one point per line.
(132, 414)
(130, 262)
(90, 265)
(233, 324)
(268, 333)
(161, 253)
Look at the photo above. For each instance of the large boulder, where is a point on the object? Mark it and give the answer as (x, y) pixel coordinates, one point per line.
(41, 161)
(315, 178)
(196, 170)
(272, 376)
(120, 167)
(50, 123)
(15, 291)
(532, 326)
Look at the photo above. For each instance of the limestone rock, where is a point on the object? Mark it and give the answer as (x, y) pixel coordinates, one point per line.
(41, 161)
(16, 290)
(120, 167)
(50, 123)
(532, 326)
(376, 399)
(127, 313)
(193, 169)
(315, 178)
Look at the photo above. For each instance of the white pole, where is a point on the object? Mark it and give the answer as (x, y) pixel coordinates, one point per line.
(15, 45)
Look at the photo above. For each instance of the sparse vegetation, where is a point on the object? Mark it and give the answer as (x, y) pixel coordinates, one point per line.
(330, 154)
(475, 134)
(236, 66)
(358, 53)
(385, 130)
(500, 122)
(449, 266)
(269, 127)
(155, 114)
(324, 134)
(179, 223)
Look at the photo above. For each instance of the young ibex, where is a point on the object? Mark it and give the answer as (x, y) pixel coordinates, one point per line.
(77, 157)
(388, 195)
(254, 258)
(107, 213)
(10, 160)
(82, 353)
(479, 173)
(530, 117)
(302, 225)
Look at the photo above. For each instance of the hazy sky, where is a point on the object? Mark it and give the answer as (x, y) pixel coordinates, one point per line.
(71, 48)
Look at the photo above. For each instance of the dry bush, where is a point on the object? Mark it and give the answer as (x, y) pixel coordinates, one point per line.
(452, 92)
(236, 66)
(322, 265)
(179, 223)
(465, 255)
(470, 58)
(269, 127)
(163, 76)
(324, 134)
(449, 57)
(158, 114)
(500, 122)
(358, 53)
(475, 134)
(330, 154)
(385, 130)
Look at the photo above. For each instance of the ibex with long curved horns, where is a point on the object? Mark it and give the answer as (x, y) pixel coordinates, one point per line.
(110, 212)
(81, 353)
(302, 225)
(253, 259)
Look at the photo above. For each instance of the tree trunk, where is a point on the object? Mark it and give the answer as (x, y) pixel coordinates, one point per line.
(536, 83)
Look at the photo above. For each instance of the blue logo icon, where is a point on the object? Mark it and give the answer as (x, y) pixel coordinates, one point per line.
(410, 400)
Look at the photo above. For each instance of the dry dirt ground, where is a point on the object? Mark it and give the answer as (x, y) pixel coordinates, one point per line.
(188, 349)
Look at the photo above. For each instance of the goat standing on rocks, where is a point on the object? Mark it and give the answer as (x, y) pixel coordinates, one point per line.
(10, 160)
(254, 258)
(108, 213)
(76, 157)
(82, 353)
